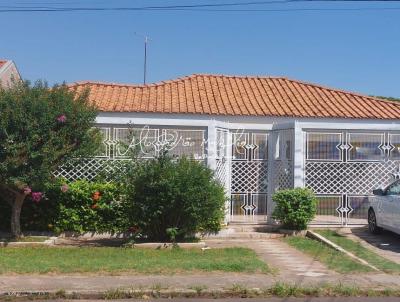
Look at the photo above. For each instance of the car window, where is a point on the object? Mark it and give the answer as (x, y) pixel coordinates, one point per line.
(394, 189)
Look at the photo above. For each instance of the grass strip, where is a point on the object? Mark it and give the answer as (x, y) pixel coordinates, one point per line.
(42, 260)
(360, 251)
(333, 259)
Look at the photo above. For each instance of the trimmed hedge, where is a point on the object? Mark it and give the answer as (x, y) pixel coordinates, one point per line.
(295, 208)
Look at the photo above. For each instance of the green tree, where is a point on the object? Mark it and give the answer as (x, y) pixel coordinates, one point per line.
(40, 128)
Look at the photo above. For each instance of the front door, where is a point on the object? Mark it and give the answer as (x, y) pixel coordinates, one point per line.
(249, 176)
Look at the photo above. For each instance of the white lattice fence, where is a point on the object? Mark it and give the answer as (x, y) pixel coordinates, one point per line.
(357, 178)
(249, 177)
(283, 174)
(90, 168)
(221, 172)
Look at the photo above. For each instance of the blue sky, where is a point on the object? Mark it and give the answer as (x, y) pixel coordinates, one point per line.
(351, 50)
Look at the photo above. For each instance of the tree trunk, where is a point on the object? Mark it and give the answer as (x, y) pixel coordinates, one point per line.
(15, 198)
(16, 215)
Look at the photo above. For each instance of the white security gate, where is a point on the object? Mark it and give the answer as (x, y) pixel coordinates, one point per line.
(249, 176)
(343, 167)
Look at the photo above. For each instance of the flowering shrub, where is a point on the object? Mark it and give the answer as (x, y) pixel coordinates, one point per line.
(79, 207)
(40, 128)
(88, 207)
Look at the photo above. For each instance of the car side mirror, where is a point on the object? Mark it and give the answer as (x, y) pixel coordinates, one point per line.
(378, 192)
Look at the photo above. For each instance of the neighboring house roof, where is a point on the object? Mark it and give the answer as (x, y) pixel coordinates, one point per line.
(8, 73)
(236, 95)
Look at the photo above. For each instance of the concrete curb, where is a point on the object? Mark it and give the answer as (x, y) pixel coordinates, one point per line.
(329, 243)
(158, 245)
(235, 292)
(49, 242)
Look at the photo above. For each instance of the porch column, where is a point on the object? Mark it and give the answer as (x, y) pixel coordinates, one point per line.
(212, 145)
(272, 153)
(299, 149)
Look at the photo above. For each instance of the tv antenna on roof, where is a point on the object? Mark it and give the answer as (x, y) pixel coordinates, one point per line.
(146, 41)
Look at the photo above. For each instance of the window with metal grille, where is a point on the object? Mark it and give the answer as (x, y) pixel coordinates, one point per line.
(324, 146)
(365, 146)
(394, 140)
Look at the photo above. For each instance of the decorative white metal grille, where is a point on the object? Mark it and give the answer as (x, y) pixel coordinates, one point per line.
(366, 162)
(283, 174)
(246, 207)
(249, 177)
(282, 169)
(357, 178)
(90, 168)
(221, 171)
(222, 164)
(117, 141)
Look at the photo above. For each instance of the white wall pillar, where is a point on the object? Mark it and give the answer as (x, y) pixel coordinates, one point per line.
(212, 145)
(272, 145)
(299, 150)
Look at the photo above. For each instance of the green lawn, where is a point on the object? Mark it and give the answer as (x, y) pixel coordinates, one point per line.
(333, 259)
(112, 260)
(357, 249)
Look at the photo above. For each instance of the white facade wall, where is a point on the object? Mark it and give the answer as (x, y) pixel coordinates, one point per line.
(277, 127)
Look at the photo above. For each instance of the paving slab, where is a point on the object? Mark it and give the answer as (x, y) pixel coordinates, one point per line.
(211, 281)
(279, 255)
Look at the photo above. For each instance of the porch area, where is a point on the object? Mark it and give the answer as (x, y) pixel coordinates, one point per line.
(341, 163)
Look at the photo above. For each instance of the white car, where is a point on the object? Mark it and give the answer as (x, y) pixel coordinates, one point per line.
(384, 209)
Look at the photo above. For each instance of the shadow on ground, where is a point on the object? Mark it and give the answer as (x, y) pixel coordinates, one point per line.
(92, 242)
(386, 240)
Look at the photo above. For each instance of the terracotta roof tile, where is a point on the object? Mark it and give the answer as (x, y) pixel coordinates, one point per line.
(234, 95)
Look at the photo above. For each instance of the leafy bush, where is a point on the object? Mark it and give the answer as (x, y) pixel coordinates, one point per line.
(174, 194)
(84, 206)
(80, 206)
(295, 208)
(40, 128)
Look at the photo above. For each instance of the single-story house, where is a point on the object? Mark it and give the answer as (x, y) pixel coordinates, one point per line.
(260, 135)
(8, 73)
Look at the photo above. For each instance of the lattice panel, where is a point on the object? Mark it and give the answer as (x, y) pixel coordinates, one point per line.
(283, 174)
(221, 172)
(89, 168)
(358, 178)
(249, 177)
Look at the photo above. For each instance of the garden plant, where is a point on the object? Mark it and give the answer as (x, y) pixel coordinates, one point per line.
(171, 198)
(40, 128)
(295, 208)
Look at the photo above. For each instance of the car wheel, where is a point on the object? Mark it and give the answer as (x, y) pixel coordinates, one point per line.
(372, 225)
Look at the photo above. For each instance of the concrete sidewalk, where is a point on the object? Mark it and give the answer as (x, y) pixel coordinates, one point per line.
(211, 281)
(293, 267)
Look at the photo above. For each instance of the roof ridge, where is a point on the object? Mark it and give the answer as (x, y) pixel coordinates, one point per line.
(341, 90)
(178, 79)
(85, 82)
